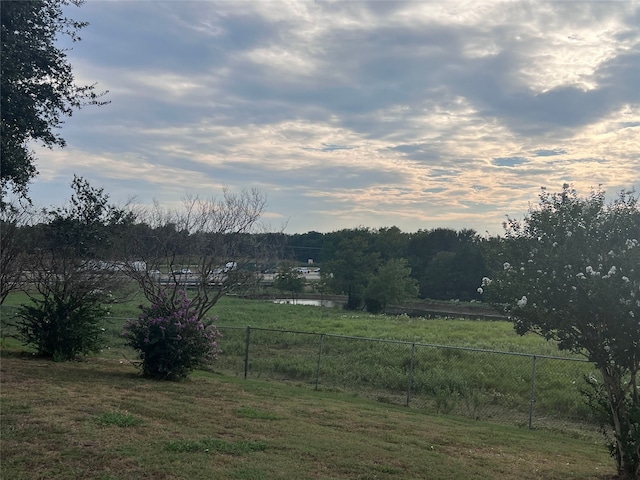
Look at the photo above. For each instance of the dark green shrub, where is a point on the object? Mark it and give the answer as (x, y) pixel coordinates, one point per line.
(62, 327)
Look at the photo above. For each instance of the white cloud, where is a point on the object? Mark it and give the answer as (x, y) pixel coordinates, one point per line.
(358, 113)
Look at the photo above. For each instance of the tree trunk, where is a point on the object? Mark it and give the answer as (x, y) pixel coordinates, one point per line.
(626, 456)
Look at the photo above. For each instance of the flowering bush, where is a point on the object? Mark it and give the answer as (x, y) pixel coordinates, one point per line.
(571, 273)
(170, 339)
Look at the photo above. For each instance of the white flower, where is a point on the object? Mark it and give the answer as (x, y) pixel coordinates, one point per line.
(522, 302)
(569, 234)
(580, 275)
(631, 314)
(625, 279)
(555, 244)
(486, 281)
(612, 271)
(480, 290)
(591, 271)
(506, 265)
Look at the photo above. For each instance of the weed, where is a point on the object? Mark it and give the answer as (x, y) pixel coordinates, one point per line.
(118, 419)
(250, 412)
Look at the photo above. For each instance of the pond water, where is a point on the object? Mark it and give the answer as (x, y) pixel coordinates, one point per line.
(304, 301)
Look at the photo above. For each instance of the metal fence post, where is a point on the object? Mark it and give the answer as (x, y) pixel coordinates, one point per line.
(319, 358)
(533, 388)
(246, 352)
(410, 381)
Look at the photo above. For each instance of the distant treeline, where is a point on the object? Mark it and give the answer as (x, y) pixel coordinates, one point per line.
(447, 264)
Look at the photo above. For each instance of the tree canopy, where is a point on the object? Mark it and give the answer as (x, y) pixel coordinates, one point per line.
(37, 83)
(391, 283)
(571, 273)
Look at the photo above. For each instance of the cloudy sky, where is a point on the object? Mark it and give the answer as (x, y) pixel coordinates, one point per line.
(418, 114)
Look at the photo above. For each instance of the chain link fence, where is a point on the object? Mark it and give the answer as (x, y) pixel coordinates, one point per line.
(514, 388)
(523, 389)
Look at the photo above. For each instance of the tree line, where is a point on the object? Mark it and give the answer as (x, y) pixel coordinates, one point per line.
(205, 235)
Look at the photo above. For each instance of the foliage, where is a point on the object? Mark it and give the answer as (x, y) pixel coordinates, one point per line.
(37, 83)
(289, 279)
(571, 274)
(67, 284)
(352, 264)
(170, 339)
(304, 246)
(88, 226)
(446, 263)
(62, 326)
(71, 253)
(391, 284)
(598, 401)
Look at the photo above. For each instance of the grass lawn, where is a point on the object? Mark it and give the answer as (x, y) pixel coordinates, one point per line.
(97, 419)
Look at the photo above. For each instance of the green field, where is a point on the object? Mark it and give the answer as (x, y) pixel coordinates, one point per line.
(237, 312)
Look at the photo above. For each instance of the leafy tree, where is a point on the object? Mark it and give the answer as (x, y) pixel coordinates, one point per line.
(446, 263)
(571, 273)
(391, 243)
(289, 279)
(71, 272)
(37, 84)
(391, 284)
(352, 265)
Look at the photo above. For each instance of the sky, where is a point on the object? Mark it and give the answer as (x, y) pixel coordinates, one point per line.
(345, 114)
